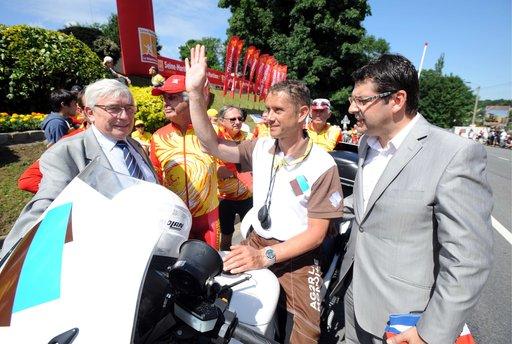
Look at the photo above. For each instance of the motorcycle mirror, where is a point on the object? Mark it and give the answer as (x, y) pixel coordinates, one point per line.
(196, 266)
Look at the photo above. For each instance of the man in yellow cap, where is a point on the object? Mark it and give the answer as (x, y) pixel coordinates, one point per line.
(212, 115)
(141, 135)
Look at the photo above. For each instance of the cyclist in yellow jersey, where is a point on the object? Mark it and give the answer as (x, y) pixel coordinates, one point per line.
(235, 196)
(182, 166)
(322, 133)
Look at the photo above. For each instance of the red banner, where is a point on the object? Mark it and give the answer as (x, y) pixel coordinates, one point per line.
(228, 63)
(267, 77)
(252, 72)
(236, 59)
(137, 36)
(168, 67)
(260, 70)
(248, 56)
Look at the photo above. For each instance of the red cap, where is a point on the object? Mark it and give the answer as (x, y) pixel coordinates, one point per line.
(173, 84)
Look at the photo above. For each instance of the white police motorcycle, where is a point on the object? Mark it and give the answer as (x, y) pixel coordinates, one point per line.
(90, 271)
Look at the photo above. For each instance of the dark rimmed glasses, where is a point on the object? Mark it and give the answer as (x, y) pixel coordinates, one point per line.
(117, 110)
(362, 101)
(234, 119)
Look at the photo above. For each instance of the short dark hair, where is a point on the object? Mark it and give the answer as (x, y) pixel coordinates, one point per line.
(59, 97)
(392, 72)
(296, 90)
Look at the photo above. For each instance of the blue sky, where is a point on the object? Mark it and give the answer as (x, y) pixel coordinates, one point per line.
(475, 36)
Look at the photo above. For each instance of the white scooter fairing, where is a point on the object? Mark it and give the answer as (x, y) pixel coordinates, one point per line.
(83, 264)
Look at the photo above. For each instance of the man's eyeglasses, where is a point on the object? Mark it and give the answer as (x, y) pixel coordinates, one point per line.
(116, 110)
(234, 119)
(362, 101)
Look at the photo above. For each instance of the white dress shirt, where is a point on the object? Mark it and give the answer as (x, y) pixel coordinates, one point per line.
(378, 157)
(116, 158)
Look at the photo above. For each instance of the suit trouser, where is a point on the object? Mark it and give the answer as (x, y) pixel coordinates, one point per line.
(353, 332)
(300, 279)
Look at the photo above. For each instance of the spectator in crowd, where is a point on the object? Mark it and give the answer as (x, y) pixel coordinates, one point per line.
(422, 237)
(156, 79)
(235, 197)
(78, 119)
(111, 110)
(108, 63)
(322, 133)
(31, 177)
(503, 138)
(57, 124)
(212, 115)
(261, 129)
(296, 192)
(181, 164)
(141, 135)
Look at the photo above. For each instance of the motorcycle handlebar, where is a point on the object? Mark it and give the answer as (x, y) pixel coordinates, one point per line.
(247, 335)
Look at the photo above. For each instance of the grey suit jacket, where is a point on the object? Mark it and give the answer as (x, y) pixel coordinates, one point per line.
(59, 165)
(424, 242)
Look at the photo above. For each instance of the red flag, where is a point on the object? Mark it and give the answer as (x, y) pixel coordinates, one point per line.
(248, 56)
(236, 59)
(253, 65)
(267, 77)
(228, 64)
(260, 70)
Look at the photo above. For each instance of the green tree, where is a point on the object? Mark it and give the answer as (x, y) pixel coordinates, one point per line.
(321, 41)
(110, 29)
(35, 61)
(438, 67)
(445, 100)
(84, 33)
(214, 50)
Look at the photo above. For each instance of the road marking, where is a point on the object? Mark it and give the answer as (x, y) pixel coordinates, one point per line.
(499, 157)
(502, 230)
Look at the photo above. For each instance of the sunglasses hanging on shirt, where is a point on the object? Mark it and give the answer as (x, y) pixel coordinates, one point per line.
(264, 212)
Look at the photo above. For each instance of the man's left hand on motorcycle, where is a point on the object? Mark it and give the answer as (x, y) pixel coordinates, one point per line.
(243, 258)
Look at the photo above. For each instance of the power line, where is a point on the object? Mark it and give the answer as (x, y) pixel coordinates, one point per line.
(497, 85)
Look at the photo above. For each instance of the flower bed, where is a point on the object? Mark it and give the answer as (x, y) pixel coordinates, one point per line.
(20, 122)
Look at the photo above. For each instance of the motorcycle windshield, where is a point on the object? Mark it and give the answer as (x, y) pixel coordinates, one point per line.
(83, 262)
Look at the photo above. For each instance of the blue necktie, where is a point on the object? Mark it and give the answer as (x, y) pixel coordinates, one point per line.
(130, 161)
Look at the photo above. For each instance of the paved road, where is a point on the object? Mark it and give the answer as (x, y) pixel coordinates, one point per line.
(492, 320)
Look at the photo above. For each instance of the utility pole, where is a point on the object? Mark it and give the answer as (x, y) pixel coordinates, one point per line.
(422, 59)
(476, 105)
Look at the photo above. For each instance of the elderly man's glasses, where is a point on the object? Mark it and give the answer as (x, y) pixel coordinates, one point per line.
(362, 101)
(116, 110)
(234, 119)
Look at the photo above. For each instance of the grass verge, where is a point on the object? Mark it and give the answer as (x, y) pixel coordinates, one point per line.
(13, 161)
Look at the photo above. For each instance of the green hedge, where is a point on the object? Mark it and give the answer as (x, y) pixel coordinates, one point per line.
(149, 108)
(35, 61)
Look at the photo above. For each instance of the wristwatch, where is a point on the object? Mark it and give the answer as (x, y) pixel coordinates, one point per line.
(270, 255)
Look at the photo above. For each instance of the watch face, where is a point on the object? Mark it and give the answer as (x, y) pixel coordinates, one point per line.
(270, 253)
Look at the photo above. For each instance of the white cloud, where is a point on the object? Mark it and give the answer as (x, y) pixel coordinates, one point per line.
(175, 21)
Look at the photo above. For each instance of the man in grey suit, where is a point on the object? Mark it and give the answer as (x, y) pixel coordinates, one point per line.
(109, 106)
(421, 238)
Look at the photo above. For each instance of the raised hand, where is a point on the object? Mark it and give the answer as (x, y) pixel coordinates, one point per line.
(195, 68)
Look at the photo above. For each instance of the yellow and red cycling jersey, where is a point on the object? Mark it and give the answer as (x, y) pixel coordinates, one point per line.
(184, 168)
(327, 138)
(232, 188)
(261, 130)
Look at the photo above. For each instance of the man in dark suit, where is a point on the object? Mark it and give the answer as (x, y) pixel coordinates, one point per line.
(110, 109)
(421, 238)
